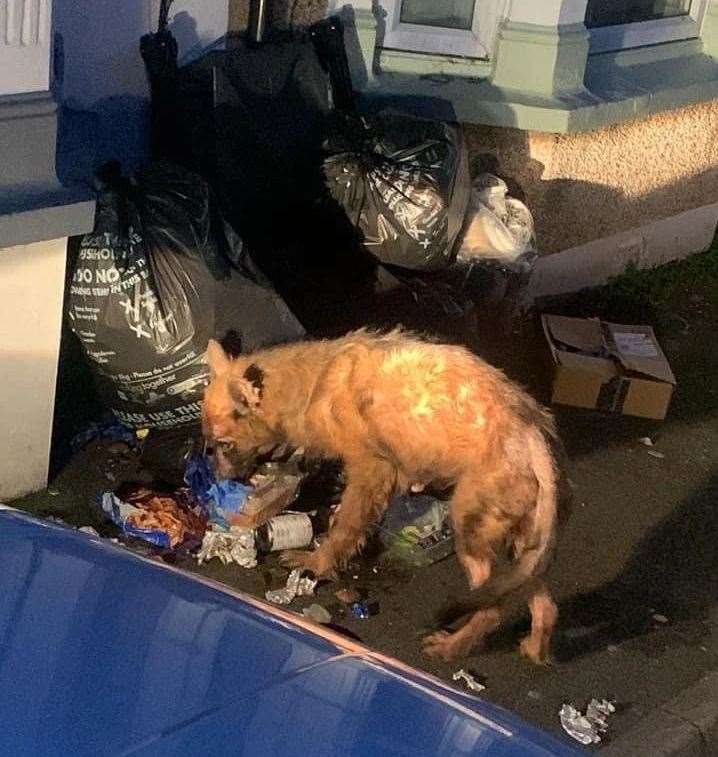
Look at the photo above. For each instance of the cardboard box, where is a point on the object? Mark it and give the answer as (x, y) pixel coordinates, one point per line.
(607, 366)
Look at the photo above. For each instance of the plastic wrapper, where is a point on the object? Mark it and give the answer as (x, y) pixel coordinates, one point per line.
(403, 182)
(416, 530)
(106, 429)
(162, 520)
(233, 546)
(587, 729)
(222, 499)
(297, 586)
(499, 228)
(469, 680)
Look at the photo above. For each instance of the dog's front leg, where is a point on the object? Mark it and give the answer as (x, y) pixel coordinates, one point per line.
(370, 485)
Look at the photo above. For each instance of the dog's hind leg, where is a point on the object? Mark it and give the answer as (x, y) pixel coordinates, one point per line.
(370, 485)
(480, 527)
(544, 614)
(447, 646)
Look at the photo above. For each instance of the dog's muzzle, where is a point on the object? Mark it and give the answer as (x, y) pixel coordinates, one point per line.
(229, 462)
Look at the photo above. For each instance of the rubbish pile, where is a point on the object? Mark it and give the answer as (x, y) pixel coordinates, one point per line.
(244, 523)
(274, 124)
(182, 252)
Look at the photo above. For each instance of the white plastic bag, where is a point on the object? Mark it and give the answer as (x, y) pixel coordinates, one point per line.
(500, 228)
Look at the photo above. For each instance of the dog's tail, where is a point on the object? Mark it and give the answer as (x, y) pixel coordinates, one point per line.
(535, 542)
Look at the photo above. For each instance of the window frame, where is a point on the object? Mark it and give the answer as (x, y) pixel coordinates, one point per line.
(437, 40)
(604, 39)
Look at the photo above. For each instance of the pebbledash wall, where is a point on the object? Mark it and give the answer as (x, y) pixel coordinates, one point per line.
(611, 133)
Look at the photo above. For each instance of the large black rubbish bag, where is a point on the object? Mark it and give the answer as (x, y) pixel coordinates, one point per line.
(404, 184)
(159, 276)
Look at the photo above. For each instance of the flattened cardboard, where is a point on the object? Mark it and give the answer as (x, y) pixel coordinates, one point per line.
(654, 365)
(608, 366)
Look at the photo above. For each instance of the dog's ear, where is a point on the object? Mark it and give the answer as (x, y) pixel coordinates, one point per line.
(217, 359)
(232, 344)
(246, 390)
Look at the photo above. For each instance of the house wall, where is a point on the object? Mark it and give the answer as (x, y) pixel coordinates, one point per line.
(587, 186)
(592, 185)
(100, 71)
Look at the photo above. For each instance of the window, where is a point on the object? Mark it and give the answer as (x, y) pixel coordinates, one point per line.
(444, 27)
(454, 14)
(621, 24)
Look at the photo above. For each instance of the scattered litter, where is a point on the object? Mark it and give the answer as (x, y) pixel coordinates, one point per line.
(534, 694)
(233, 546)
(374, 569)
(347, 596)
(53, 492)
(655, 453)
(290, 531)
(416, 530)
(89, 530)
(142, 433)
(163, 520)
(646, 441)
(659, 618)
(468, 679)
(364, 610)
(587, 728)
(317, 613)
(612, 648)
(222, 498)
(275, 488)
(297, 586)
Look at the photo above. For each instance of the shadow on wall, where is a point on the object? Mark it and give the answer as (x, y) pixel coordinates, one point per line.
(100, 80)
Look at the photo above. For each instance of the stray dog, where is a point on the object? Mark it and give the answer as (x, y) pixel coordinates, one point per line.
(401, 412)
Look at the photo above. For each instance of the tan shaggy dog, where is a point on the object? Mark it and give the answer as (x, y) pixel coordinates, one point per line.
(399, 411)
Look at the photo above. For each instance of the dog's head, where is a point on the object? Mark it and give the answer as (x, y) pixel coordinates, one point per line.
(233, 420)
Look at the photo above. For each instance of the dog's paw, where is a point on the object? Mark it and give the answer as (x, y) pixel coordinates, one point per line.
(310, 561)
(439, 646)
(538, 653)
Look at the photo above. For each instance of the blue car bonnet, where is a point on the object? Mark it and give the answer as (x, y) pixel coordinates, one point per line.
(105, 653)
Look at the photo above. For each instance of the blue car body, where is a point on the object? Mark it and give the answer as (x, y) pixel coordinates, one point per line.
(103, 652)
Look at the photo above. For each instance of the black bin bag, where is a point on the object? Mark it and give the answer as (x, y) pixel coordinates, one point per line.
(403, 182)
(159, 276)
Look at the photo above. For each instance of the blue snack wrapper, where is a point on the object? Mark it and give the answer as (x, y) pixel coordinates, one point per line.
(118, 511)
(219, 498)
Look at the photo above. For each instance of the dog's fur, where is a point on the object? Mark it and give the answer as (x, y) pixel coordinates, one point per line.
(399, 411)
